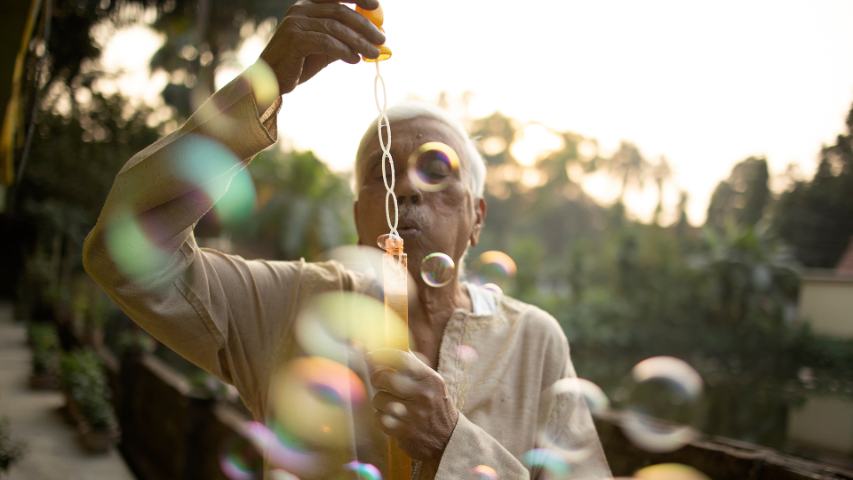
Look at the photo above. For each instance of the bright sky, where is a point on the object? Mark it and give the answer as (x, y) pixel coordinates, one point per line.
(705, 84)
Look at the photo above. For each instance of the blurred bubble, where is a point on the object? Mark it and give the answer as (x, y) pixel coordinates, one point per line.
(560, 402)
(502, 263)
(582, 389)
(467, 353)
(432, 166)
(669, 471)
(366, 264)
(549, 461)
(485, 472)
(279, 474)
(132, 249)
(312, 398)
(364, 471)
(241, 460)
(662, 403)
(262, 80)
(337, 325)
(280, 448)
(437, 269)
(218, 175)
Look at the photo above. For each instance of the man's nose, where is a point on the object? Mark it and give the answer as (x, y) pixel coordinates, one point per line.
(406, 191)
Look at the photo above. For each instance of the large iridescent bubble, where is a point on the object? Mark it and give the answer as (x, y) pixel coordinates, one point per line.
(663, 404)
(313, 397)
(437, 269)
(338, 325)
(432, 166)
(563, 404)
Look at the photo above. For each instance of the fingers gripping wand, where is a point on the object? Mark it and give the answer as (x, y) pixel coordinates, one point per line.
(394, 262)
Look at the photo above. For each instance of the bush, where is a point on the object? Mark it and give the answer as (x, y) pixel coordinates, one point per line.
(84, 382)
(45, 347)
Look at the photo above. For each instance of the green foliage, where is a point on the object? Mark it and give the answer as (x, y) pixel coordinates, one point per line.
(84, 380)
(742, 199)
(816, 217)
(45, 348)
(303, 209)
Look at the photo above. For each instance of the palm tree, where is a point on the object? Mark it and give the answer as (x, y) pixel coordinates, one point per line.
(629, 166)
(661, 172)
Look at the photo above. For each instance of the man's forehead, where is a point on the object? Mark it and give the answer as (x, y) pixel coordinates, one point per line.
(413, 132)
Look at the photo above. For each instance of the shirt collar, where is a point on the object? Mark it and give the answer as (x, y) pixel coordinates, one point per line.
(483, 300)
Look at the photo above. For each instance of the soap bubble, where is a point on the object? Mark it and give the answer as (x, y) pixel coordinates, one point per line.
(564, 401)
(364, 471)
(279, 447)
(243, 457)
(437, 269)
(551, 462)
(313, 398)
(669, 471)
(217, 113)
(466, 354)
(502, 264)
(576, 388)
(368, 267)
(662, 403)
(485, 472)
(338, 325)
(432, 166)
(216, 175)
(132, 246)
(241, 461)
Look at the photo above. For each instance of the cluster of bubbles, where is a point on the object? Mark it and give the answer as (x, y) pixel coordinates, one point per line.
(493, 268)
(660, 405)
(316, 398)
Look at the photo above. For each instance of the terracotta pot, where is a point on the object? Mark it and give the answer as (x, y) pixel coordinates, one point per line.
(96, 441)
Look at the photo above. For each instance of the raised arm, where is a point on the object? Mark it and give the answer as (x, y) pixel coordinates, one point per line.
(221, 312)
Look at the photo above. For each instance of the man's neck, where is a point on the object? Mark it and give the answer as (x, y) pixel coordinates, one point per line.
(434, 306)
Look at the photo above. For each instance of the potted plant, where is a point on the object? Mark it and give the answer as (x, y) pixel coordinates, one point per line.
(88, 400)
(45, 356)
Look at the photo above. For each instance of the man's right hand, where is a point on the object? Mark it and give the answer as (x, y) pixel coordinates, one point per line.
(315, 33)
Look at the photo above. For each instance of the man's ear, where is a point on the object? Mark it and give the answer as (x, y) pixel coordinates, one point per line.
(480, 210)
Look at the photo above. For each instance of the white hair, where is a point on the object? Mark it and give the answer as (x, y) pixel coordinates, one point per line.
(472, 164)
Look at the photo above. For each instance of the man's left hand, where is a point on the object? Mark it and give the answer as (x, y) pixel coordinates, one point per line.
(412, 403)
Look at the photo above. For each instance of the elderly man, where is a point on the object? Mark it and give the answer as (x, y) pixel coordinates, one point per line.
(234, 317)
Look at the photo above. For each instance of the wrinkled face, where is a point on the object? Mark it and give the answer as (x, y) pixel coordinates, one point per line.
(445, 221)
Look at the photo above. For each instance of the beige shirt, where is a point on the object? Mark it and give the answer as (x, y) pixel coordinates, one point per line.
(234, 317)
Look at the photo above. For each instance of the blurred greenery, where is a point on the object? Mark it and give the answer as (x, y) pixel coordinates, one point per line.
(721, 296)
(84, 382)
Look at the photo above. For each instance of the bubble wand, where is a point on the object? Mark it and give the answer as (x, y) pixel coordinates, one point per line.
(394, 262)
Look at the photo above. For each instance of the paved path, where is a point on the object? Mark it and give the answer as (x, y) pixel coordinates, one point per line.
(52, 451)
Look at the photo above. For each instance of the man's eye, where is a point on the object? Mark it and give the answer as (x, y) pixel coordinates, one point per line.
(435, 167)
